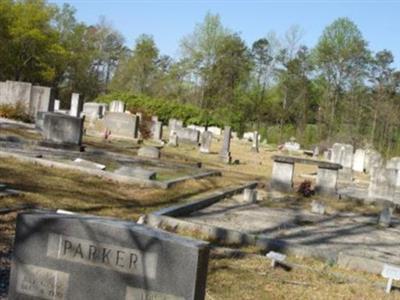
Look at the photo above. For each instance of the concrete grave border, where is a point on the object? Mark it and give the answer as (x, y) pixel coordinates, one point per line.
(108, 175)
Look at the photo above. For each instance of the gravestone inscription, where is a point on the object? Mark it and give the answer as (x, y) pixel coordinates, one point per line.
(58, 256)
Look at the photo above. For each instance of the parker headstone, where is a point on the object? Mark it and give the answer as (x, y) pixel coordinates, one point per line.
(64, 256)
(206, 139)
(76, 106)
(122, 125)
(117, 106)
(225, 153)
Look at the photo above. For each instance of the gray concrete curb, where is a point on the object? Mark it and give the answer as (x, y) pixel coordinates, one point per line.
(105, 174)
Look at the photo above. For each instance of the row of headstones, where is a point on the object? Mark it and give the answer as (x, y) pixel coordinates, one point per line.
(384, 178)
(31, 98)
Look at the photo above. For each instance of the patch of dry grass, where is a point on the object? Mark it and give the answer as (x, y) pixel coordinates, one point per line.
(253, 278)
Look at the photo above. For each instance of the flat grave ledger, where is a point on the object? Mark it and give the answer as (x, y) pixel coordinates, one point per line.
(82, 257)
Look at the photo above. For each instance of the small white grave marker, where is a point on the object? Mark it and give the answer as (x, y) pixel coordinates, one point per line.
(392, 273)
(275, 257)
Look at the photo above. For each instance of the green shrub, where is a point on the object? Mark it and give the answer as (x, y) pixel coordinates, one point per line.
(164, 109)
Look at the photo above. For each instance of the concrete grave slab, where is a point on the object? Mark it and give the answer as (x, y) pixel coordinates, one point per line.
(136, 172)
(149, 151)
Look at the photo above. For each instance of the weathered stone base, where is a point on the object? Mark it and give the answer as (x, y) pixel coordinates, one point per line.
(227, 158)
(63, 146)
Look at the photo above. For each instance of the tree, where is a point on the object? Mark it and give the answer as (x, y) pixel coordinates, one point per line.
(199, 54)
(341, 56)
(137, 72)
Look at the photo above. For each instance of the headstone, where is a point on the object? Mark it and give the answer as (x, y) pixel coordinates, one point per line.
(61, 256)
(254, 147)
(140, 115)
(391, 273)
(93, 110)
(117, 106)
(173, 139)
(292, 145)
(56, 105)
(250, 195)
(327, 155)
(39, 120)
(40, 100)
(122, 125)
(62, 129)
(136, 172)
(200, 129)
(393, 163)
(215, 130)
(282, 176)
(149, 151)
(326, 182)
(358, 160)
(88, 164)
(225, 153)
(188, 136)
(373, 159)
(385, 217)
(76, 105)
(17, 92)
(317, 207)
(206, 139)
(382, 183)
(249, 136)
(343, 154)
(316, 152)
(157, 131)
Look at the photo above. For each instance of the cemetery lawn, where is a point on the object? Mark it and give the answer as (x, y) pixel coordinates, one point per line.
(54, 188)
(253, 278)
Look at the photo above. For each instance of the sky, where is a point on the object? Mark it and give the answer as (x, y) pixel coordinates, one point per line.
(170, 20)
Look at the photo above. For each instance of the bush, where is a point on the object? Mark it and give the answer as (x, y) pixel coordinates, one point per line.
(15, 112)
(164, 109)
